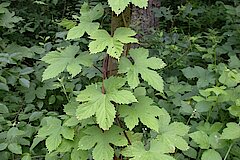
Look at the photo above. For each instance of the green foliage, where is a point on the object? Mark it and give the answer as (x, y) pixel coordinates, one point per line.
(52, 129)
(86, 21)
(101, 141)
(118, 6)
(174, 96)
(66, 59)
(101, 40)
(96, 102)
(141, 66)
(137, 151)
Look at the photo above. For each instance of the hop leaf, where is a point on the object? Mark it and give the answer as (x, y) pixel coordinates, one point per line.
(114, 44)
(101, 141)
(170, 135)
(59, 61)
(86, 21)
(52, 129)
(95, 102)
(141, 66)
(119, 5)
(143, 111)
(137, 152)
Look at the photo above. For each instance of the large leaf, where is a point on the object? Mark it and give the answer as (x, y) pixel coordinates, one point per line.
(138, 152)
(144, 111)
(53, 141)
(119, 5)
(53, 129)
(15, 148)
(100, 141)
(171, 135)
(201, 138)
(59, 61)
(144, 66)
(86, 21)
(96, 102)
(102, 39)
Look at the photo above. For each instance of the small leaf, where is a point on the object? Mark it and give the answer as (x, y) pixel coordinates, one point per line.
(53, 141)
(3, 108)
(35, 115)
(15, 148)
(26, 157)
(24, 82)
(26, 71)
(201, 138)
(211, 154)
(4, 87)
(68, 133)
(36, 141)
(231, 132)
(3, 146)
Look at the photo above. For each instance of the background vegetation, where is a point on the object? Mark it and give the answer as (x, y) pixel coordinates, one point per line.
(197, 113)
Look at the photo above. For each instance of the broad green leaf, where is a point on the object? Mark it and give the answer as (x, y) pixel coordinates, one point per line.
(102, 39)
(215, 141)
(86, 21)
(65, 146)
(24, 82)
(4, 87)
(53, 141)
(70, 108)
(3, 108)
(59, 61)
(53, 126)
(137, 151)
(68, 24)
(205, 77)
(143, 111)
(101, 141)
(13, 133)
(118, 6)
(78, 31)
(3, 146)
(234, 110)
(96, 102)
(35, 115)
(170, 135)
(15, 148)
(230, 77)
(67, 133)
(200, 138)
(232, 131)
(73, 121)
(211, 154)
(144, 66)
(26, 157)
(191, 152)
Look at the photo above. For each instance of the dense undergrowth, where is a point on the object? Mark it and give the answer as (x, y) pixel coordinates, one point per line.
(57, 101)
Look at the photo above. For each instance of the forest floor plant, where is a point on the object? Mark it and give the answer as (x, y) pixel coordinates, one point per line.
(174, 97)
